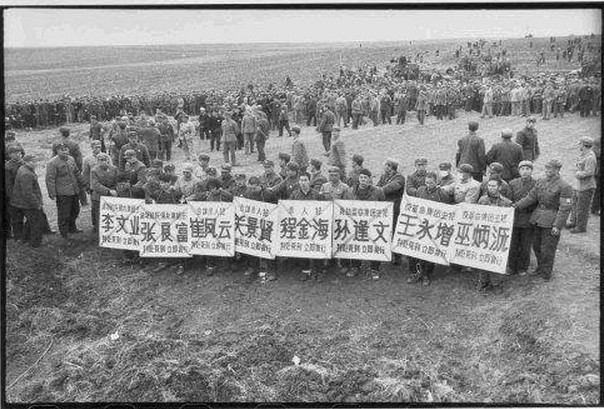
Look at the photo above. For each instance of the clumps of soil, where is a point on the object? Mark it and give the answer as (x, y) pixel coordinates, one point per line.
(526, 325)
(303, 383)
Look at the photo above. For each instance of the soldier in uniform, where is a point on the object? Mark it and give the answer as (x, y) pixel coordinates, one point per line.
(553, 198)
(136, 174)
(417, 178)
(325, 126)
(585, 186)
(299, 154)
(527, 139)
(284, 159)
(12, 223)
(72, 146)
(522, 234)
(290, 183)
(357, 165)
(63, 182)
(96, 131)
(269, 179)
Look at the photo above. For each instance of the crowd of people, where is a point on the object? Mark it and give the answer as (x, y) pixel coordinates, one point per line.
(131, 158)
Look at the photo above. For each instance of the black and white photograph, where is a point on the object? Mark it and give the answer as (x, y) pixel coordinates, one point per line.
(294, 204)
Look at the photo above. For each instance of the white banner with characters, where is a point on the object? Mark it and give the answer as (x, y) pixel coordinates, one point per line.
(211, 228)
(119, 223)
(164, 231)
(255, 227)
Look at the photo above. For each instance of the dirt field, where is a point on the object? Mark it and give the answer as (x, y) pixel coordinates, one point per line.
(228, 338)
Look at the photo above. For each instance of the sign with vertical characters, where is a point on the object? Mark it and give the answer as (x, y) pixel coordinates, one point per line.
(482, 237)
(119, 223)
(305, 229)
(211, 228)
(425, 230)
(164, 231)
(362, 230)
(255, 227)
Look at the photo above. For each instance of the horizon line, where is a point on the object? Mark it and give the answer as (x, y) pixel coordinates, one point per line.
(297, 42)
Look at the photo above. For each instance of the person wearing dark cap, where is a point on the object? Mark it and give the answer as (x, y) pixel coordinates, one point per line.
(417, 178)
(357, 165)
(528, 140)
(63, 182)
(334, 188)
(508, 153)
(283, 122)
(136, 174)
(493, 197)
(140, 150)
(495, 171)
(239, 188)
(585, 166)
(553, 198)
(284, 159)
(227, 180)
(270, 179)
(248, 128)
(230, 130)
(522, 234)
(392, 183)
(325, 126)
(72, 146)
(421, 270)
(215, 125)
(290, 183)
(262, 133)
(445, 177)
(26, 202)
(299, 154)
(316, 176)
(151, 137)
(167, 137)
(471, 151)
(365, 191)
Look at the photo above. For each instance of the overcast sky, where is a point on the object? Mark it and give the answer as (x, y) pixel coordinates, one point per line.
(81, 27)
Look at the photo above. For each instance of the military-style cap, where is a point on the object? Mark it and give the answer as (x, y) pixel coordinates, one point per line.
(316, 163)
(95, 142)
(466, 167)
(226, 167)
(525, 163)
(473, 124)
(10, 135)
(240, 176)
(103, 155)
(254, 180)
(268, 163)
(445, 166)
(30, 158)
(365, 172)
(187, 167)
(61, 145)
(292, 166)
(129, 153)
(358, 159)
(157, 163)
(554, 163)
(391, 162)
(507, 133)
(496, 167)
(132, 134)
(421, 161)
(586, 141)
(211, 171)
(296, 129)
(333, 169)
(285, 156)
(531, 119)
(202, 109)
(204, 156)
(64, 130)
(169, 168)
(335, 129)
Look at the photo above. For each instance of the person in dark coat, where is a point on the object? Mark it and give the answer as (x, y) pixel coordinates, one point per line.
(141, 151)
(508, 153)
(103, 182)
(27, 202)
(11, 224)
(72, 146)
(393, 186)
(471, 151)
(522, 234)
(63, 182)
(554, 198)
(527, 139)
(325, 126)
(417, 178)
